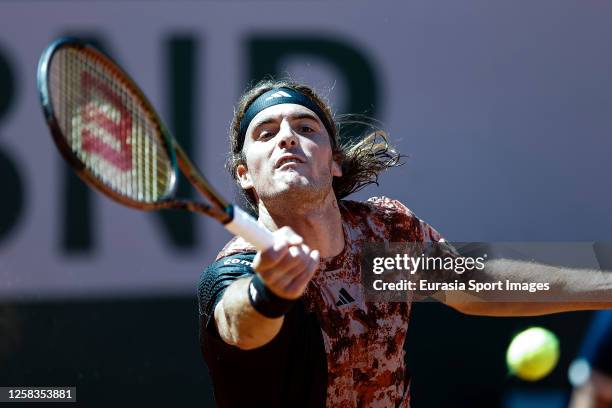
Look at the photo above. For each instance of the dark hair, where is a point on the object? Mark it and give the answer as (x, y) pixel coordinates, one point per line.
(362, 158)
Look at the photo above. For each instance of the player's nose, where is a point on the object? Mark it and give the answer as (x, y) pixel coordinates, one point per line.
(286, 136)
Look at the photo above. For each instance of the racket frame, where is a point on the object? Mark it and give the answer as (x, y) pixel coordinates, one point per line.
(43, 83)
(231, 216)
(169, 144)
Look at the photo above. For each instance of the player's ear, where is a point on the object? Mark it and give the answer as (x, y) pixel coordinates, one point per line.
(336, 165)
(244, 178)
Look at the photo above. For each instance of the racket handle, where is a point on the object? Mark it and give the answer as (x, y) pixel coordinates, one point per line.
(242, 224)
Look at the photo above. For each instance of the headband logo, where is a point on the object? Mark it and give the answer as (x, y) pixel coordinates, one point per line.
(279, 94)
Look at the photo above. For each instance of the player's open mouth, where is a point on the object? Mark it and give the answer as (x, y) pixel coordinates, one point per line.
(288, 159)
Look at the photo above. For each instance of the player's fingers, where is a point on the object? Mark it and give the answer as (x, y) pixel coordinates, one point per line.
(294, 261)
(296, 287)
(315, 256)
(269, 258)
(283, 239)
(291, 236)
(283, 279)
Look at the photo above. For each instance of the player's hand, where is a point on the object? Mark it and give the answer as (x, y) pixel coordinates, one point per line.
(287, 267)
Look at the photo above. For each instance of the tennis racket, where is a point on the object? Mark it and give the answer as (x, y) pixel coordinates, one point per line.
(106, 129)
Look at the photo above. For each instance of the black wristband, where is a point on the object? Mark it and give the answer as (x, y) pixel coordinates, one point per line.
(265, 302)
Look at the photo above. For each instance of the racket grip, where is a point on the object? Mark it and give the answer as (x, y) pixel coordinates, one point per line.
(245, 226)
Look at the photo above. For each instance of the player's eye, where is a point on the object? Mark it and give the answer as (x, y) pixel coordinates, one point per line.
(306, 129)
(265, 135)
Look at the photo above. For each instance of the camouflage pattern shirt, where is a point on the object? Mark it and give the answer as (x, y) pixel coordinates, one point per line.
(363, 341)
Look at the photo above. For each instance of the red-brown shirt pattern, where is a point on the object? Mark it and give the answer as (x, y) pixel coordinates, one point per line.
(364, 341)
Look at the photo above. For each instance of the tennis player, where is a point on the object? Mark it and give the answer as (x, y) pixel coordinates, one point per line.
(300, 333)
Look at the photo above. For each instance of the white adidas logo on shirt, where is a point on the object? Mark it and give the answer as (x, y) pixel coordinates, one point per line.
(279, 94)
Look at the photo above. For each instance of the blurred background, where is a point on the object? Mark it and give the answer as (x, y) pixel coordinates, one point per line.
(503, 109)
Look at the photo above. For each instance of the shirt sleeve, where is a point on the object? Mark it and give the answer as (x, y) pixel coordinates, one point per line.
(217, 277)
(409, 228)
(293, 362)
(399, 222)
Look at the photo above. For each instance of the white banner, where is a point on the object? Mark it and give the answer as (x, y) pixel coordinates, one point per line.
(502, 108)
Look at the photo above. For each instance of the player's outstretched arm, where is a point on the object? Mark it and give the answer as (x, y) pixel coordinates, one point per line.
(570, 290)
(285, 270)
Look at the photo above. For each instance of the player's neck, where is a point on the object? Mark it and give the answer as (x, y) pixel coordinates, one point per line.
(320, 225)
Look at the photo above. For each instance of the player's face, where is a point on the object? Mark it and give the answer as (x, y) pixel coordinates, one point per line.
(287, 150)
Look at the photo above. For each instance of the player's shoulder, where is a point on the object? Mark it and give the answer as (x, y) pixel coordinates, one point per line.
(232, 263)
(235, 257)
(237, 245)
(392, 217)
(389, 205)
(378, 207)
(225, 269)
(215, 278)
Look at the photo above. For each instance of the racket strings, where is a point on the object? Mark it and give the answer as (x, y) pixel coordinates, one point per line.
(137, 182)
(134, 183)
(107, 127)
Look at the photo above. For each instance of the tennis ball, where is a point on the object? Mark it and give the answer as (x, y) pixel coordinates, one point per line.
(533, 354)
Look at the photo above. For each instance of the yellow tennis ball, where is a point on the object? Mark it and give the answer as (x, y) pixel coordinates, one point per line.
(533, 354)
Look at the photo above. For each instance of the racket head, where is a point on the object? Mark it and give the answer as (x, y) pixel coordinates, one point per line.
(105, 127)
